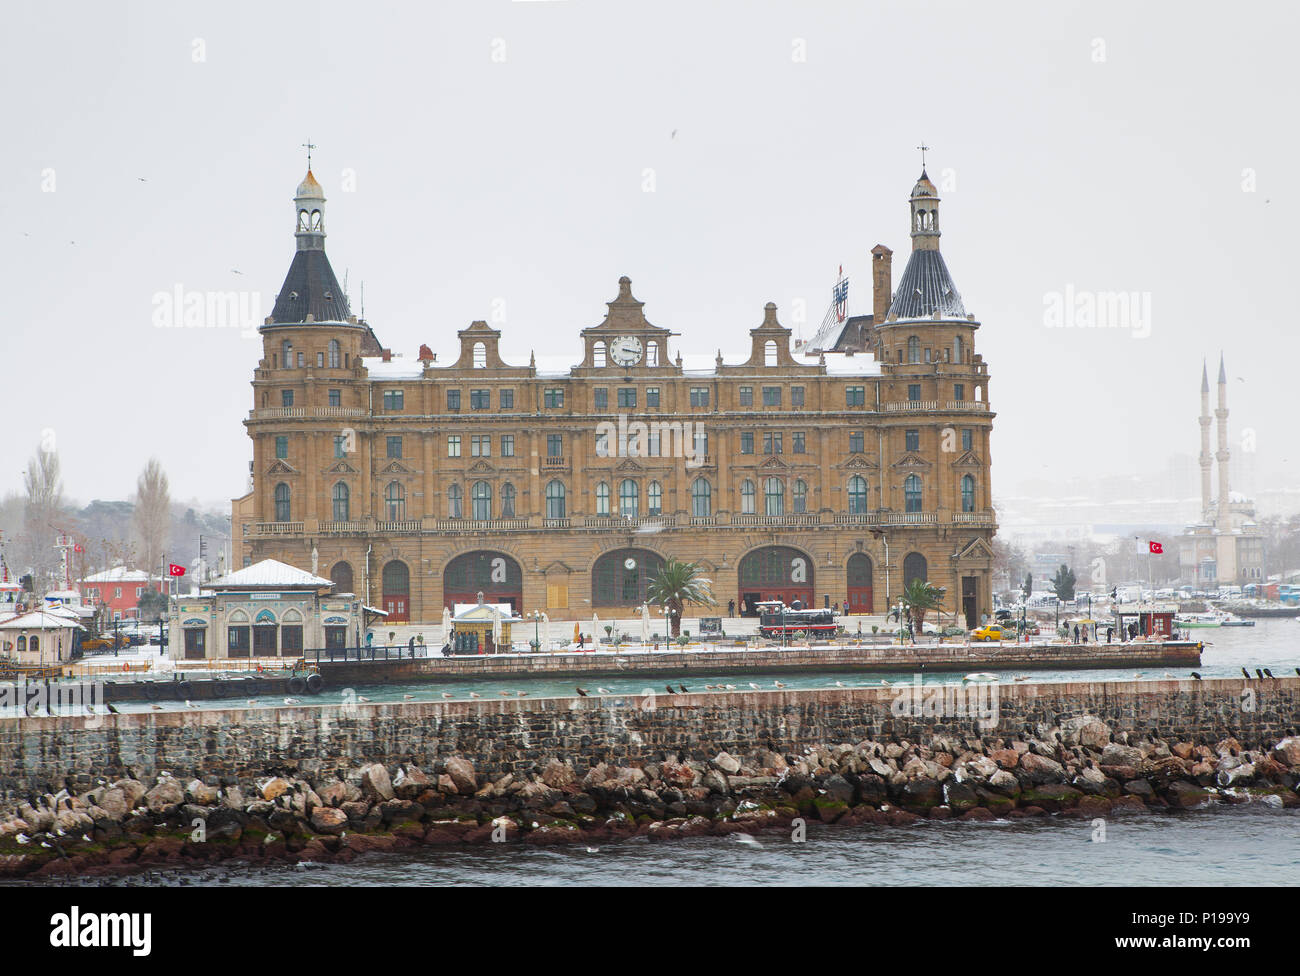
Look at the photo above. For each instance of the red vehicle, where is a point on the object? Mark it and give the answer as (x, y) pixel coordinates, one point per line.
(775, 619)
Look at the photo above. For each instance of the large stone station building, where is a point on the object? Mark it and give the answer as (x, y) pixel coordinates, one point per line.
(830, 474)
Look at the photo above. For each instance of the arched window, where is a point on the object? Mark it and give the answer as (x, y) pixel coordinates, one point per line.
(341, 496)
(480, 355)
(629, 498)
(34, 644)
(454, 509)
(800, 497)
(395, 501)
(915, 567)
(913, 349)
(602, 499)
(282, 510)
(598, 354)
(701, 498)
(774, 496)
(335, 354)
(857, 495)
(967, 493)
(555, 499)
(286, 354)
(507, 500)
(957, 351)
(655, 499)
(481, 501)
(769, 353)
(341, 574)
(912, 493)
(22, 643)
(747, 497)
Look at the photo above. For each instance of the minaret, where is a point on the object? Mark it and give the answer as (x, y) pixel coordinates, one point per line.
(1221, 418)
(1207, 459)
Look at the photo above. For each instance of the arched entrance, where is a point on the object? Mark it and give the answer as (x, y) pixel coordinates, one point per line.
(341, 574)
(859, 580)
(397, 591)
(775, 573)
(915, 567)
(494, 574)
(620, 578)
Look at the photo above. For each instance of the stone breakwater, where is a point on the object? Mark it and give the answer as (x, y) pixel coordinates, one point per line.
(329, 782)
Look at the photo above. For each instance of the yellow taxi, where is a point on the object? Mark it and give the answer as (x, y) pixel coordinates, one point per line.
(992, 632)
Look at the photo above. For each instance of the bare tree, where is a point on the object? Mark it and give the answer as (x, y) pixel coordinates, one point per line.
(152, 514)
(42, 511)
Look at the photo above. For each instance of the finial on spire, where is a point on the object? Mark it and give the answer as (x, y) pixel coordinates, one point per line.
(924, 149)
(309, 146)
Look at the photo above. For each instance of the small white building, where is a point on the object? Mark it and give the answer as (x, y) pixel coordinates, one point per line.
(266, 610)
(39, 637)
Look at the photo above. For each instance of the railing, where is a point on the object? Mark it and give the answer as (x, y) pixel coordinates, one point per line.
(909, 518)
(277, 528)
(481, 525)
(974, 518)
(555, 462)
(856, 518)
(973, 406)
(903, 406)
(801, 518)
(341, 527)
(631, 522)
(405, 526)
(555, 523)
(298, 413)
(704, 520)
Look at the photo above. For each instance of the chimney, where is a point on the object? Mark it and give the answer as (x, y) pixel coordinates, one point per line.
(882, 283)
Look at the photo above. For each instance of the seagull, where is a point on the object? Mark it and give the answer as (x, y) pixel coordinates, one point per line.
(731, 687)
(112, 708)
(362, 698)
(1260, 674)
(252, 701)
(754, 686)
(475, 694)
(445, 694)
(670, 689)
(1247, 673)
(1268, 673)
(156, 707)
(1168, 674)
(582, 692)
(839, 684)
(685, 690)
(522, 694)
(91, 709)
(603, 691)
(409, 697)
(291, 701)
(777, 684)
(708, 687)
(886, 682)
(503, 694)
(747, 840)
(190, 704)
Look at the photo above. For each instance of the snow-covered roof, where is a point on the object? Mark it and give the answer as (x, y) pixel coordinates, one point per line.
(465, 611)
(40, 620)
(269, 573)
(120, 574)
(396, 368)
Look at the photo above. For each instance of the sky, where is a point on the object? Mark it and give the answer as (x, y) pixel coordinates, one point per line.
(508, 161)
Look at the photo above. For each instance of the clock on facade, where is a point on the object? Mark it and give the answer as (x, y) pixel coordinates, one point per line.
(625, 351)
(629, 563)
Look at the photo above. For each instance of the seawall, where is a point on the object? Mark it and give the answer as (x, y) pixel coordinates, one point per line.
(677, 664)
(47, 754)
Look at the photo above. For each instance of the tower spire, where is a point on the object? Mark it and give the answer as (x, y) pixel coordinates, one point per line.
(1221, 418)
(1206, 459)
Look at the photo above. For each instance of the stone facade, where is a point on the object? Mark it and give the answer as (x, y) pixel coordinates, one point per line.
(562, 485)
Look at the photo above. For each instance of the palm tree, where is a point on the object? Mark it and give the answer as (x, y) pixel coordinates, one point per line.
(675, 585)
(918, 598)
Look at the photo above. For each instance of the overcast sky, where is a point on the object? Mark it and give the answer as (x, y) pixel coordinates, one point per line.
(499, 152)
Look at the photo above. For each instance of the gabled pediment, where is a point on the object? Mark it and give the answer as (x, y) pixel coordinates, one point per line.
(975, 549)
(629, 465)
(341, 467)
(858, 461)
(774, 462)
(912, 460)
(481, 467)
(395, 467)
(557, 568)
(968, 459)
(281, 466)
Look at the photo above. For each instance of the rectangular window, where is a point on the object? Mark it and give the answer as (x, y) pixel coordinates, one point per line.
(237, 642)
(652, 396)
(701, 444)
(453, 399)
(911, 440)
(796, 442)
(914, 391)
(796, 396)
(856, 441)
(959, 391)
(453, 445)
(336, 398)
(394, 400)
(699, 396)
(771, 396)
(555, 445)
(746, 396)
(480, 399)
(600, 398)
(394, 447)
(507, 398)
(282, 447)
(291, 640)
(772, 442)
(967, 438)
(340, 445)
(855, 396)
(507, 445)
(553, 398)
(286, 398)
(480, 445)
(747, 442)
(627, 397)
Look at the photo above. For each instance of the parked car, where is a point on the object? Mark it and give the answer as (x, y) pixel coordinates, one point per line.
(991, 632)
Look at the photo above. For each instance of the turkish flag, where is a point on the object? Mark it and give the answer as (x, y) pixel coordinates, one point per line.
(175, 570)
(1156, 548)
(77, 548)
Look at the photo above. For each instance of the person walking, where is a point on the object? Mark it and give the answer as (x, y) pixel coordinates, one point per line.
(1076, 633)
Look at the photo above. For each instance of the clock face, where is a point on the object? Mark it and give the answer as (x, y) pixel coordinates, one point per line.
(629, 563)
(625, 350)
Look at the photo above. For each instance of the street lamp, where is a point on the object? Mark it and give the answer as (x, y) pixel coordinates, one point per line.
(537, 620)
